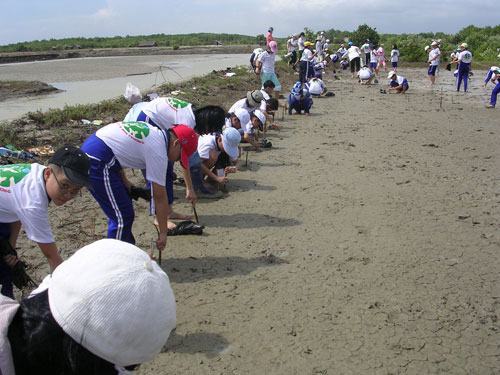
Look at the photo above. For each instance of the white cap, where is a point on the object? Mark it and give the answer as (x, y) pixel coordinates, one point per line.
(426, 48)
(114, 301)
(242, 115)
(328, 40)
(392, 73)
(231, 139)
(434, 43)
(260, 116)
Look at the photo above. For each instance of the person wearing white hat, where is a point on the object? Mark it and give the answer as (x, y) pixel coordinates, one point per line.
(211, 148)
(265, 67)
(434, 57)
(495, 79)
(105, 310)
(464, 60)
(319, 49)
(489, 75)
(251, 101)
(397, 84)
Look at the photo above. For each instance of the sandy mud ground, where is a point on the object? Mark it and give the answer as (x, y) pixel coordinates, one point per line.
(365, 242)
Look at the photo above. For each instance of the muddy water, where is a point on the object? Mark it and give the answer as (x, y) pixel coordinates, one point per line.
(90, 80)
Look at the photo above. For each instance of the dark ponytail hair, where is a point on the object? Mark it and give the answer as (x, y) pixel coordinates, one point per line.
(40, 346)
(209, 119)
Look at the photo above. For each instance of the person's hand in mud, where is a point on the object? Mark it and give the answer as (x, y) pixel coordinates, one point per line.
(231, 169)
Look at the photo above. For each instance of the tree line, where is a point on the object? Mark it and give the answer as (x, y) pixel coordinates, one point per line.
(484, 42)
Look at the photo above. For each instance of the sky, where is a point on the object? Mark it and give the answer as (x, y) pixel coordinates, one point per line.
(26, 20)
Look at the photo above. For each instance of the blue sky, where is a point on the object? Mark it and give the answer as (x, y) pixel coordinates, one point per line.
(24, 20)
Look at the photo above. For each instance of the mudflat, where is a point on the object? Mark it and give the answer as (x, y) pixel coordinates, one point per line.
(365, 241)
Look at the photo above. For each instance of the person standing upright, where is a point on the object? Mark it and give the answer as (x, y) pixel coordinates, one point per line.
(269, 36)
(434, 57)
(265, 67)
(464, 60)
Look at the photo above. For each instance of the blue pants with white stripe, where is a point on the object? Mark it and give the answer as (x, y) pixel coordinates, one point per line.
(108, 189)
(169, 183)
(494, 94)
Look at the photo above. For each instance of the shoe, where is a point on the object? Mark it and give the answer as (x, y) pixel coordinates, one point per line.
(490, 106)
(186, 227)
(266, 144)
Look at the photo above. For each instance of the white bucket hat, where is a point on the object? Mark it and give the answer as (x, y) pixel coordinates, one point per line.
(114, 301)
(391, 74)
(231, 139)
(242, 115)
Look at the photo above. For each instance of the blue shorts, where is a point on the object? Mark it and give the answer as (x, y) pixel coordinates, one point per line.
(432, 70)
(373, 65)
(271, 76)
(394, 64)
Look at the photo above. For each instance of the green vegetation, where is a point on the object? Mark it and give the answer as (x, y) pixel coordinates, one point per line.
(161, 40)
(484, 42)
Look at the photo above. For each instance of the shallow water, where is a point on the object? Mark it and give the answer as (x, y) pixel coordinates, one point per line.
(90, 80)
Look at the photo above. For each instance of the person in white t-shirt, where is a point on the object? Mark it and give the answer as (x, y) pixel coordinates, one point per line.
(265, 67)
(254, 56)
(305, 69)
(166, 112)
(316, 87)
(434, 58)
(136, 145)
(464, 60)
(269, 105)
(353, 53)
(252, 101)
(215, 152)
(365, 75)
(366, 49)
(397, 84)
(25, 193)
(394, 57)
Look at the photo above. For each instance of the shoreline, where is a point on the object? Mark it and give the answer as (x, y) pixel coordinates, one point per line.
(17, 57)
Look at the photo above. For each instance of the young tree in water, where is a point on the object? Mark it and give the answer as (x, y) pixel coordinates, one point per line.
(365, 32)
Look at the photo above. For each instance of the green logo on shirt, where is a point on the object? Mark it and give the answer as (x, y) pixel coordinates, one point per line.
(138, 130)
(177, 103)
(13, 173)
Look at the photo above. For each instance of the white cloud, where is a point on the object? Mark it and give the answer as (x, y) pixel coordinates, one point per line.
(103, 13)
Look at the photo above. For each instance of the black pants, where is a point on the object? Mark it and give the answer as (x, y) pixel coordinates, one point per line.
(303, 72)
(355, 64)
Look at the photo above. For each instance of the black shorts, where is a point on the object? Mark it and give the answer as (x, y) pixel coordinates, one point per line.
(355, 64)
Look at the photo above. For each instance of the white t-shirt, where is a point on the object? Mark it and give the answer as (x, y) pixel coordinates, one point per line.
(353, 52)
(138, 145)
(319, 47)
(465, 57)
(267, 59)
(373, 57)
(394, 55)
(135, 111)
(307, 55)
(23, 197)
(300, 42)
(399, 80)
(316, 86)
(167, 112)
(207, 143)
(434, 54)
(366, 48)
(242, 103)
(364, 73)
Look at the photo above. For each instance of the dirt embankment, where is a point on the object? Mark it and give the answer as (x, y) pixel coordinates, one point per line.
(15, 89)
(13, 57)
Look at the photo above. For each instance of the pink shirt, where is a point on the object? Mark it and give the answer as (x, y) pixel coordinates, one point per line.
(269, 37)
